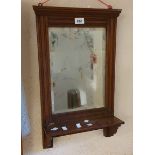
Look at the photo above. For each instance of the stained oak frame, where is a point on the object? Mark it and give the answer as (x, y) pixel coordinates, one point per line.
(102, 118)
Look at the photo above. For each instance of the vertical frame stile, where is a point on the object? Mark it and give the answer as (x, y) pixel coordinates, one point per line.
(106, 67)
(114, 57)
(44, 76)
(110, 64)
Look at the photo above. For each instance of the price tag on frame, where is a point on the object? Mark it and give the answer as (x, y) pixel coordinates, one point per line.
(79, 21)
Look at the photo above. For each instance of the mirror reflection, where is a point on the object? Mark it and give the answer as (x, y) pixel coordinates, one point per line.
(77, 64)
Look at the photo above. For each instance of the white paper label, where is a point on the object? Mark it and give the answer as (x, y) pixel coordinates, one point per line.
(78, 125)
(86, 121)
(79, 20)
(64, 128)
(89, 124)
(54, 129)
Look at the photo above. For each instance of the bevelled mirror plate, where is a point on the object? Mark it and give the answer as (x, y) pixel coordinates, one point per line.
(77, 65)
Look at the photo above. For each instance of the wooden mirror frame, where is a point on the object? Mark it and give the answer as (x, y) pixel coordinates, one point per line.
(101, 118)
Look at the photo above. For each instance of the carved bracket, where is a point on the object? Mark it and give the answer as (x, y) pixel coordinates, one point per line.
(110, 131)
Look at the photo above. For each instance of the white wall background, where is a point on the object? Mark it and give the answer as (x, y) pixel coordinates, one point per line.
(90, 143)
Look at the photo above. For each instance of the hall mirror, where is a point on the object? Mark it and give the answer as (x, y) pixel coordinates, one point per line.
(77, 66)
(76, 55)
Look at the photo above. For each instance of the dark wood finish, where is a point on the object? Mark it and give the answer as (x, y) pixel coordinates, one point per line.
(103, 118)
(21, 146)
(108, 124)
(44, 75)
(110, 131)
(110, 65)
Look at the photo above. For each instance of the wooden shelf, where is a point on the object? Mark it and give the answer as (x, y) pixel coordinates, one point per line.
(107, 124)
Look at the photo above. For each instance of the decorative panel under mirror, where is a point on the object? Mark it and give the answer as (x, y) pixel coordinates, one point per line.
(76, 53)
(77, 65)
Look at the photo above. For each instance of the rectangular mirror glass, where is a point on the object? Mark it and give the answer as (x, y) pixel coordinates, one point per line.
(77, 65)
